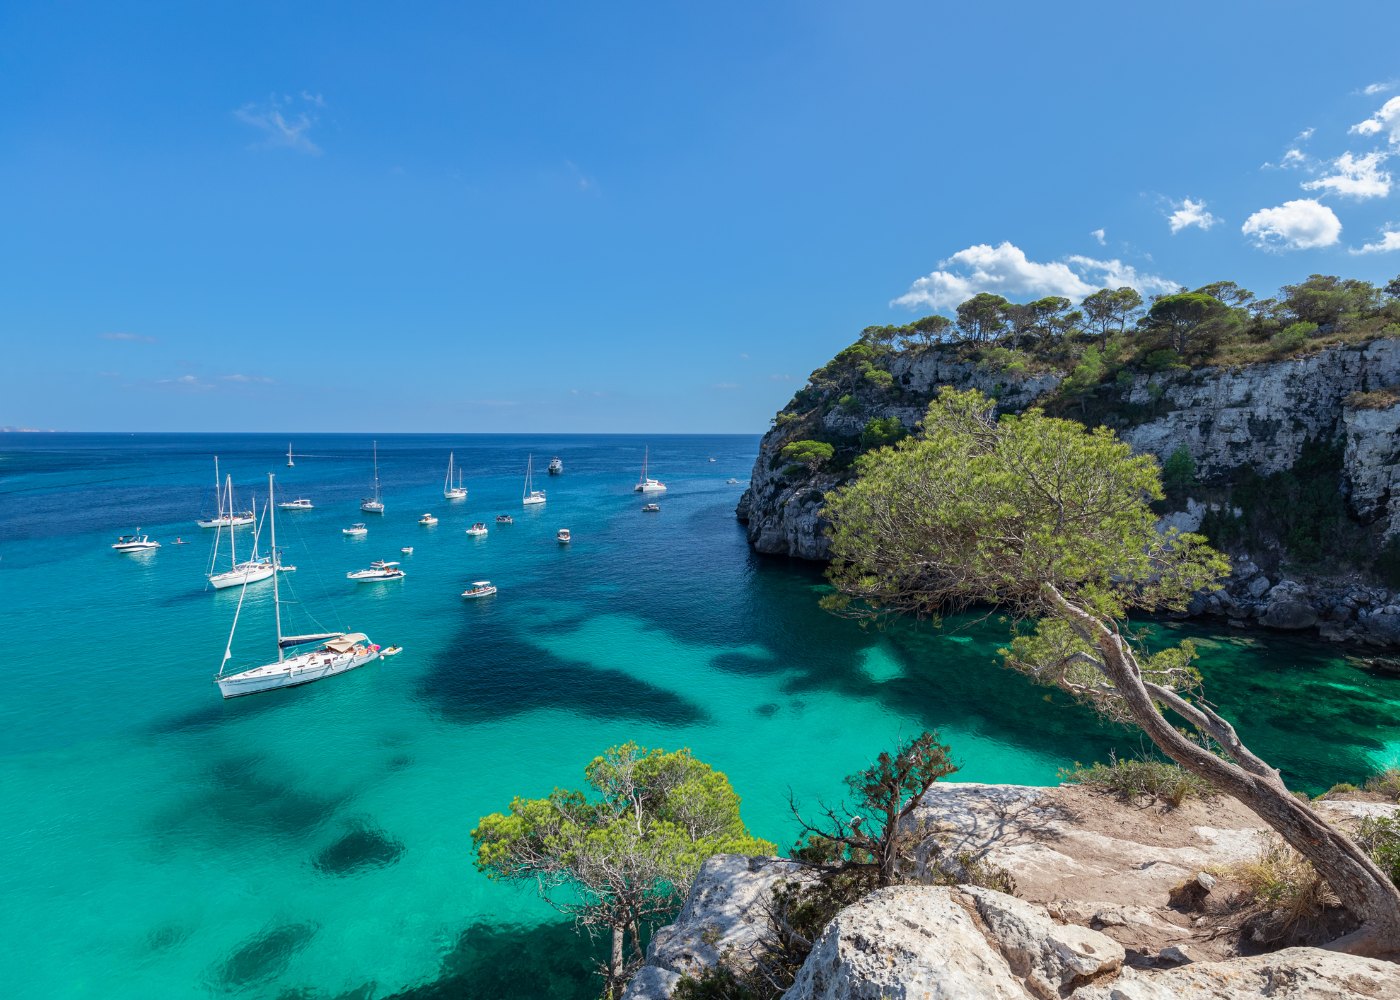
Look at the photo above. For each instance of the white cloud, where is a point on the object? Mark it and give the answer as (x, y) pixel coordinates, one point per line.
(247, 378)
(1356, 177)
(1386, 120)
(279, 130)
(1389, 241)
(185, 382)
(1005, 270)
(1101, 236)
(1295, 225)
(1371, 89)
(1191, 213)
(131, 338)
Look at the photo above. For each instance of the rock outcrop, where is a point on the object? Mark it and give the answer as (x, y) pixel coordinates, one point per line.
(1258, 417)
(1108, 897)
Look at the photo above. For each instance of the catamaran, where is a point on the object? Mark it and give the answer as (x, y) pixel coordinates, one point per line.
(449, 491)
(335, 653)
(252, 570)
(646, 485)
(531, 496)
(231, 519)
(374, 505)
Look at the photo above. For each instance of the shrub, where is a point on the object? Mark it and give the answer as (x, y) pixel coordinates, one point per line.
(1289, 898)
(1341, 788)
(1386, 783)
(1292, 337)
(1379, 837)
(1379, 399)
(809, 453)
(1179, 471)
(880, 431)
(1141, 778)
(1163, 360)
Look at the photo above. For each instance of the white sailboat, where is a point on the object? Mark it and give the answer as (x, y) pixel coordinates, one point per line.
(290, 463)
(374, 505)
(531, 496)
(336, 652)
(646, 485)
(449, 491)
(231, 519)
(252, 570)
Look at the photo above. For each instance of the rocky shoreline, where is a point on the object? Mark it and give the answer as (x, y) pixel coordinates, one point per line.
(1259, 417)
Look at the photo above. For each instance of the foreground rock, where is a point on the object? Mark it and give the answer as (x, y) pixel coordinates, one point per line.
(1291, 974)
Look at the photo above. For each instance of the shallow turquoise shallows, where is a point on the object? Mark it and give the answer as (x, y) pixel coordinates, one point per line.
(315, 843)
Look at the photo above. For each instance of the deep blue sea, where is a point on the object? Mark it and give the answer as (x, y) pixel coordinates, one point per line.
(315, 843)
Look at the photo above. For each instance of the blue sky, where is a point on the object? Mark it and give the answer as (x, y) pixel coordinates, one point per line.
(635, 216)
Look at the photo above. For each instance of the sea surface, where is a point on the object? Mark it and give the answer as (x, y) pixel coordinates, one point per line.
(315, 843)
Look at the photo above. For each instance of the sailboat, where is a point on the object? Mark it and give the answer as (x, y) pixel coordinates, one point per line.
(335, 652)
(645, 485)
(374, 505)
(531, 496)
(222, 520)
(252, 570)
(450, 492)
(290, 463)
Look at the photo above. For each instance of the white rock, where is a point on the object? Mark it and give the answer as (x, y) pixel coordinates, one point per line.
(1291, 974)
(902, 943)
(651, 983)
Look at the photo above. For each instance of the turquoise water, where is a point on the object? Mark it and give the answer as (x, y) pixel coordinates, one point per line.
(315, 843)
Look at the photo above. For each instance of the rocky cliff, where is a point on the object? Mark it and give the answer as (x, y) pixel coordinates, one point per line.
(1252, 421)
(1113, 902)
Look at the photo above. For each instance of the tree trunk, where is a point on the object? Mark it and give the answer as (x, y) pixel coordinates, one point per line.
(1361, 886)
(616, 979)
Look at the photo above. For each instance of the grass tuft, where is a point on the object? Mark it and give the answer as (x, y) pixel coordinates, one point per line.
(1141, 778)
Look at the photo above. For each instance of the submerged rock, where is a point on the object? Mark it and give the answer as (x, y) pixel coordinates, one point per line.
(362, 847)
(264, 956)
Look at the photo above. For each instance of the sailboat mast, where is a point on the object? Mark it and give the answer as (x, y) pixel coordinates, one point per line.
(376, 470)
(276, 603)
(232, 550)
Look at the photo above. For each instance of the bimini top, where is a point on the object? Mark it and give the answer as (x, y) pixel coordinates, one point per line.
(346, 642)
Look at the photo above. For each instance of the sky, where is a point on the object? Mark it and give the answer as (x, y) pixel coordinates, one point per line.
(635, 217)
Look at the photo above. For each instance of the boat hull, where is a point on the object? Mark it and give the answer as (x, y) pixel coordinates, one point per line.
(237, 521)
(294, 672)
(454, 494)
(236, 577)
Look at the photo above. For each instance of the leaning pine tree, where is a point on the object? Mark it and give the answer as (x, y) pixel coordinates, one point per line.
(1050, 520)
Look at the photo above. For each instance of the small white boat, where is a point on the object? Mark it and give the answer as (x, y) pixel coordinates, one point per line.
(374, 505)
(407, 550)
(564, 536)
(251, 571)
(556, 466)
(531, 496)
(504, 519)
(480, 588)
(732, 482)
(427, 520)
(226, 517)
(379, 571)
(479, 528)
(451, 491)
(301, 503)
(355, 529)
(712, 459)
(135, 543)
(646, 484)
(651, 508)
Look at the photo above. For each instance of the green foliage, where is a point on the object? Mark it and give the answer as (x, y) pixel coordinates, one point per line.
(623, 854)
(983, 317)
(1341, 788)
(1141, 778)
(808, 453)
(1163, 360)
(1005, 359)
(720, 982)
(1179, 471)
(1292, 337)
(1328, 301)
(1289, 899)
(1385, 783)
(1379, 837)
(881, 431)
(878, 377)
(1377, 399)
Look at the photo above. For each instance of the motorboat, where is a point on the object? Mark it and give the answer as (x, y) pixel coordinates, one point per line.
(374, 504)
(646, 484)
(334, 652)
(300, 503)
(477, 529)
(225, 518)
(480, 588)
(504, 519)
(451, 490)
(407, 550)
(355, 530)
(135, 543)
(427, 520)
(556, 466)
(531, 496)
(651, 508)
(379, 572)
(712, 459)
(732, 482)
(564, 536)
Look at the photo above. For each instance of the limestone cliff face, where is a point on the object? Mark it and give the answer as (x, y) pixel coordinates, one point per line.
(1257, 417)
